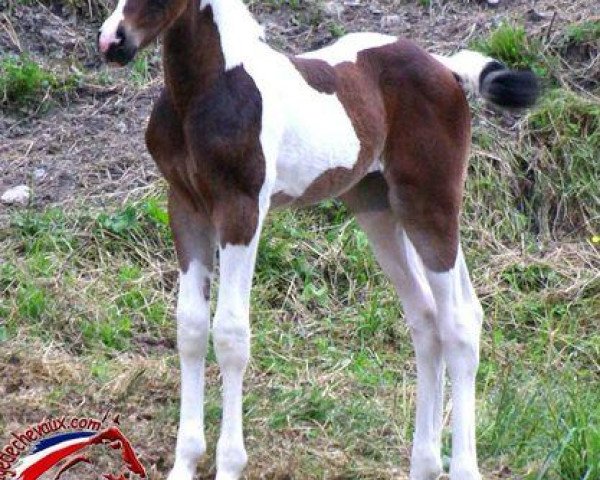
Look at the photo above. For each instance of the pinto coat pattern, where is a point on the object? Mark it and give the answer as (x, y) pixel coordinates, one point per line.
(373, 120)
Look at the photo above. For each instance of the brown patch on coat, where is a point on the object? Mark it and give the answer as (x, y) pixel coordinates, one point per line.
(193, 234)
(192, 58)
(280, 199)
(147, 18)
(368, 195)
(426, 151)
(204, 130)
(363, 101)
(318, 74)
(228, 166)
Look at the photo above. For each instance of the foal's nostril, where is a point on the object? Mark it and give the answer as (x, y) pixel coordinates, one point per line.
(120, 35)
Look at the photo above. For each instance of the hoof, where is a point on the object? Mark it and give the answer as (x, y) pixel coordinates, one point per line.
(464, 471)
(426, 467)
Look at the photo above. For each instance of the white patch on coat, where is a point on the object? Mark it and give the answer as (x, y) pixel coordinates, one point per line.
(239, 31)
(108, 31)
(346, 49)
(467, 65)
(306, 133)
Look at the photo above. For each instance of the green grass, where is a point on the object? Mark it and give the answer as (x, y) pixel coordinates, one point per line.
(25, 83)
(510, 44)
(332, 363)
(565, 130)
(145, 66)
(50, 239)
(586, 31)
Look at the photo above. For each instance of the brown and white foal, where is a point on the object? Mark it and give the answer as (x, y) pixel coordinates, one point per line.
(379, 123)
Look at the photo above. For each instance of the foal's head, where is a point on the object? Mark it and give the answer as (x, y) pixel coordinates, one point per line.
(133, 25)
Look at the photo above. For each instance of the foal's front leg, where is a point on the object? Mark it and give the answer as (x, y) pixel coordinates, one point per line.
(194, 241)
(231, 337)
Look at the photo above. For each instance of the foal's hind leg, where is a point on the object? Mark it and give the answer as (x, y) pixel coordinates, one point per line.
(399, 261)
(444, 317)
(460, 316)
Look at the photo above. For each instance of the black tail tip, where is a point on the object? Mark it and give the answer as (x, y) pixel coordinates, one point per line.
(509, 88)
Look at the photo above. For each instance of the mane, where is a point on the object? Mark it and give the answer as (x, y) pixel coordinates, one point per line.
(238, 29)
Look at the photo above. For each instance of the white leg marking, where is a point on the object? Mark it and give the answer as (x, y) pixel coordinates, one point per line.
(421, 316)
(459, 322)
(401, 263)
(231, 336)
(231, 329)
(192, 339)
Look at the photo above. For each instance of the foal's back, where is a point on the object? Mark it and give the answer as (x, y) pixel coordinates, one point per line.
(345, 107)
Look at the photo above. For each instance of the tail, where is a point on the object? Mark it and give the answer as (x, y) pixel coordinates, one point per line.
(492, 80)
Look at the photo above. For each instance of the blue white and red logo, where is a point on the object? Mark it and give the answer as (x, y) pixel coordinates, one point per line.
(62, 443)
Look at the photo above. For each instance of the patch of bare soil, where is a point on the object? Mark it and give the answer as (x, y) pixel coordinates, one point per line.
(95, 147)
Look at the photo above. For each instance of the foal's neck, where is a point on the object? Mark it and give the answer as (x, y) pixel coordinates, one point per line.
(208, 37)
(192, 57)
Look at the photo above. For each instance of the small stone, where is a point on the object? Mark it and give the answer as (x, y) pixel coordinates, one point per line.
(390, 21)
(40, 173)
(18, 195)
(333, 9)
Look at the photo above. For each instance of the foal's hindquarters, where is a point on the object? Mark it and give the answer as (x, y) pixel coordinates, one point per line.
(410, 213)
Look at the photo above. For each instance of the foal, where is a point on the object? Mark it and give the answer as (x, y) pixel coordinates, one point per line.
(375, 121)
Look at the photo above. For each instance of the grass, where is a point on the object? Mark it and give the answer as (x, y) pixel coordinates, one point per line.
(566, 132)
(583, 32)
(27, 85)
(332, 367)
(510, 44)
(24, 83)
(22, 79)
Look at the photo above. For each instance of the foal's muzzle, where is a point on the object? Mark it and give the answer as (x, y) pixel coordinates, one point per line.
(120, 49)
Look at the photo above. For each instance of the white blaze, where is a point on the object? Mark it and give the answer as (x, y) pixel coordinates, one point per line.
(108, 31)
